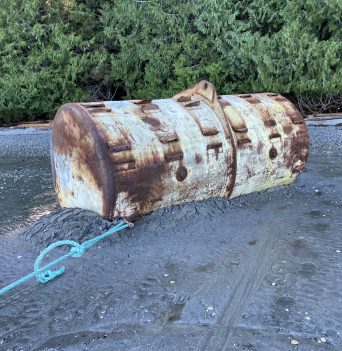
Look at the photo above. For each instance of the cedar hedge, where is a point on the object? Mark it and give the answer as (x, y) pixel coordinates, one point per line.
(57, 51)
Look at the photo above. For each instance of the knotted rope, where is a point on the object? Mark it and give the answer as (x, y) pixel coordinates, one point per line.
(44, 274)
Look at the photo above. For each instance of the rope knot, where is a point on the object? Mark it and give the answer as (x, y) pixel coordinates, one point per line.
(77, 251)
(44, 274)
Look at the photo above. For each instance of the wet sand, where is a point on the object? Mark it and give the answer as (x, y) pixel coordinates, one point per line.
(26, 187)
(252, 273)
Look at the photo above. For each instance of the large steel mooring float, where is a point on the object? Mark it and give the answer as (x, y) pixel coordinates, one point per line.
(128, 158)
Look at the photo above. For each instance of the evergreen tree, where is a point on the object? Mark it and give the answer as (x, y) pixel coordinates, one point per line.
(57, 51)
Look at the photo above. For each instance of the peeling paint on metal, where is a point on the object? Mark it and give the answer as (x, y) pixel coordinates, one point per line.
(128, 158)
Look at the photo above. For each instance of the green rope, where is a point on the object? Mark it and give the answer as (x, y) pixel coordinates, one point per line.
(44, 274)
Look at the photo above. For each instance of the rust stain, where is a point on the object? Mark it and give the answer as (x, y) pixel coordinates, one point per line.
(181, 173)
(260, 147)
(142, 102)
(173, 151)
(207, 93)
(296, 117)
(249, 172)
(126, 166)
(298, 151)
(144, 184)
(137, 181)
(216, 146)
(168, 138)
(198, 159)
(92, 104)
(288, 128)
(174, 156)
(118, 148)
(149, 107)
(274, 136)
(273, 153)
(184, 99)
(243, 141)
(270, 123)
(154, 122)
(74, 131)
(193, 104)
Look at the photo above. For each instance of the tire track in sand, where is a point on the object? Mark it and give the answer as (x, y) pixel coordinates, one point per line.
(248, 280)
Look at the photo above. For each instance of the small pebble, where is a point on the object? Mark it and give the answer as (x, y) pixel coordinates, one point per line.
(338, 251)
(172, 282)
(210, 308)
(323, 339)
(294, 342)
(273, 284)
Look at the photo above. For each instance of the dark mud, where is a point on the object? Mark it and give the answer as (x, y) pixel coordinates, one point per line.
(251, 273)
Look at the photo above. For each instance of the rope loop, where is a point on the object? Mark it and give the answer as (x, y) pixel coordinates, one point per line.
(44, 275)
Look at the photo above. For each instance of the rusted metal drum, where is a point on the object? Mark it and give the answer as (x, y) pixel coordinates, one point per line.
(128, 158)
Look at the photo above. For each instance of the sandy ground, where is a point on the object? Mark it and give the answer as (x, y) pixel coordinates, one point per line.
(251, 273)
(26, 189)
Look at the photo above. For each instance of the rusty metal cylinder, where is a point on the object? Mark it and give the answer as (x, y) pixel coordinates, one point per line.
(128, 158)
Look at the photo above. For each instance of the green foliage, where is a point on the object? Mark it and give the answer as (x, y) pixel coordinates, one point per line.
(56, 51)
(48, 55)
(305, 55)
